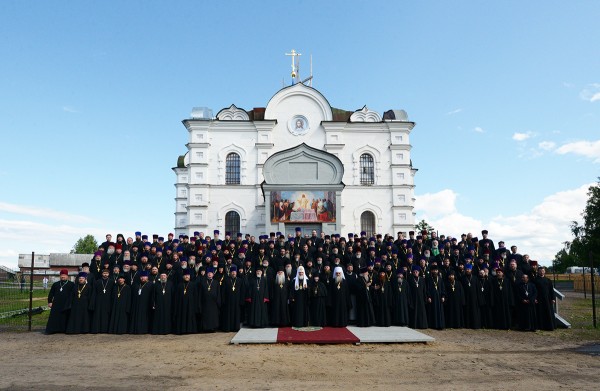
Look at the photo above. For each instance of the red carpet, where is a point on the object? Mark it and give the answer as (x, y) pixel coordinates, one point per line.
(326, 335)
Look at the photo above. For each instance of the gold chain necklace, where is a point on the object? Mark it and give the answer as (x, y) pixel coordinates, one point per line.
(80, 290)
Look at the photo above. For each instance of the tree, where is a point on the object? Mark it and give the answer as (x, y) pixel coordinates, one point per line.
(423, 225)
(563, 259)
(587, 235)
(86, 245)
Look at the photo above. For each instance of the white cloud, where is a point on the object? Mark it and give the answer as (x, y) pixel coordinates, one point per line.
(522, 136)
(69, 109)
(589, 149)
(591, 93)
(26, 229)
(478, 129)
(539, 233)
(567, 84)
(24, 237)
(41, 212)
(456, 111)
(437, 204)
(547, 145)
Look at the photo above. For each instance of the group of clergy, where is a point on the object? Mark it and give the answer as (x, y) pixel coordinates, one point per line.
(159, 287)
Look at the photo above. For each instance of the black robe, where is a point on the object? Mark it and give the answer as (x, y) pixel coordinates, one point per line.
(382, 303)
(299, 305)
(503, 300)
(121, 306)
(210, 303)
(399, 302)
(473, 300)
(232, 300)
(61, 306)
(317, 293)
(487, 318)
(416, 301)
(436, 294)
(82, 305)
(103, 302)
(162, 304)
(365, 316)
(141, 305)
(526, 294)
(257, 295)
(339, 303)
(454, 305)
(544, 308)
(186, 306)
(280, 312)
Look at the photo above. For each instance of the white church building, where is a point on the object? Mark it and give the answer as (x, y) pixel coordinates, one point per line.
(297, 162)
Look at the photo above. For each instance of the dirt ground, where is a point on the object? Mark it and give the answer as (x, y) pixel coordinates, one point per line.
(457, 360)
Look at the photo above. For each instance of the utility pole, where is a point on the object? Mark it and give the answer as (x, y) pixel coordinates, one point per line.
(593, 289)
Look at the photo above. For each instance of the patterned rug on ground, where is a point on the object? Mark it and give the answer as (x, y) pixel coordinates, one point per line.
(316, 335)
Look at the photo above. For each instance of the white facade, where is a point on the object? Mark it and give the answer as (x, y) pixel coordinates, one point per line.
(203, 198)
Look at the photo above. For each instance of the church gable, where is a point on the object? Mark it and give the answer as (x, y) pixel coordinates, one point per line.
(303, 165)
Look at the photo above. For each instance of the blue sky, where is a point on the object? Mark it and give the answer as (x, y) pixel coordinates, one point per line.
(506, 97)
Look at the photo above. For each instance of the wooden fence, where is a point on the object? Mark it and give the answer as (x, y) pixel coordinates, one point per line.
(578, 281)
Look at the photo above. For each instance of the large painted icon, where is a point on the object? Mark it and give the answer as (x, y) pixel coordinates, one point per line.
(302, 206)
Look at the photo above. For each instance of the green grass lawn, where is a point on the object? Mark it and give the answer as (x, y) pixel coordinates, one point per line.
(578, 312)
(12, 299)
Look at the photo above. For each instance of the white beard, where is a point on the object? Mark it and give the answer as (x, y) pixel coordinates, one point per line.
(288, 272)
(280, 279)
(338, 279)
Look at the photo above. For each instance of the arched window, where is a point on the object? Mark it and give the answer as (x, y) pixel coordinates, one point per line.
(367, 223)
(232, 221)
(367, 169)
(232, 169)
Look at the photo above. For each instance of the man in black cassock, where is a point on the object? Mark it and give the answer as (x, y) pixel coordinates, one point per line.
(365, 316)
(417, 297)
(514, 275)
(82, 305)
(527, 295)
(339, 299)
(162, 305)
(455, 302)
(473, 298)
(436, 297)
(232, 300)
(503, 300)
(210, 301)
(545, 301)
(487, 320)
(103, 301)
(141, 304)
(317, 297)
(186, 306)
(59, 301)
(120, 308)
(257, 295)
(299, 299)
(382, 300)
(280, 313)
(399, 289)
